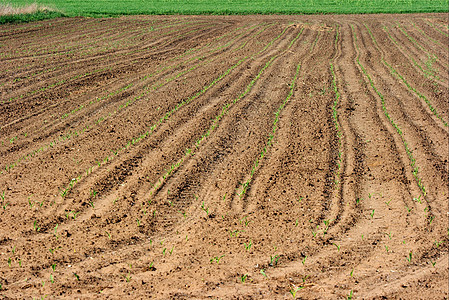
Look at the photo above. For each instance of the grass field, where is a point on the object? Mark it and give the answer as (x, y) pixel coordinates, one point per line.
(116, 7)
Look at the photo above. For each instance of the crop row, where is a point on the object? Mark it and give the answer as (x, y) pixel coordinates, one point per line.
(147, 89)
(165, 117)
(409, 86)
(392, 122)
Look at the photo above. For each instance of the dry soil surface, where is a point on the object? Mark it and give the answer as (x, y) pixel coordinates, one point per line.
(240, 157)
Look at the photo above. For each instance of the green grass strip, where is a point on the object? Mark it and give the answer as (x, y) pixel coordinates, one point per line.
(25, 18)
(239, 7)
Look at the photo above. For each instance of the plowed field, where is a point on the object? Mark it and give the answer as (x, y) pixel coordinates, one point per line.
(256, 157)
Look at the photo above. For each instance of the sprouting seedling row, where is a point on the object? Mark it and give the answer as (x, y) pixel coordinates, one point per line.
(415, 42)
(436, 28)
(76, 133)
(116, 92)
(102, 119)
(411, 88)
(427, 36)
(58, 83)
(427, 71)
(216, 120)
(246, 184)
(156, 125)
(398, 130)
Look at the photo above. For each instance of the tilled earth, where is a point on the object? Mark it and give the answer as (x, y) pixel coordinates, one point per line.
(237, 157)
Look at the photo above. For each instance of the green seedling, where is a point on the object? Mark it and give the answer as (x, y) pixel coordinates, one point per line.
(336, 245)
(387, 249)
(389, 235)
(263, 273)
(13, 250)
(357, 201)
(245, 221)
(204, 208)
(243, 278)
(163, 251)
(248, 246)
(109, 235)
(418, 199)
(294, 290)
(35, 226)
(408, 209)
(274, 260)
(138, 222)
(77, 276)
(409, 257)
(350, 295)
(304, 278)
(300, 199)
(372, 213)
(9, 261)
(296, 223)
(352, 272)
(304, 260)
(171, 250)
(216, 259)
(431, 219)
(388, 203)
(52, 279)
(53, 266)
(438, 243)
(234, 233)
(433, 263)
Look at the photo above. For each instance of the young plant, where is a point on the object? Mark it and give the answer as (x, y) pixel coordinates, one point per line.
(350, 295)
(294, 290)
(274, 260)
(204, 208)
(35, 226)
(409, 257)
(216, 259)
(248, 246)
(336, 245)
(243, 278)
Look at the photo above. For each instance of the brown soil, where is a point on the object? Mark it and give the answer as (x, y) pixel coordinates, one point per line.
(243, 157)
